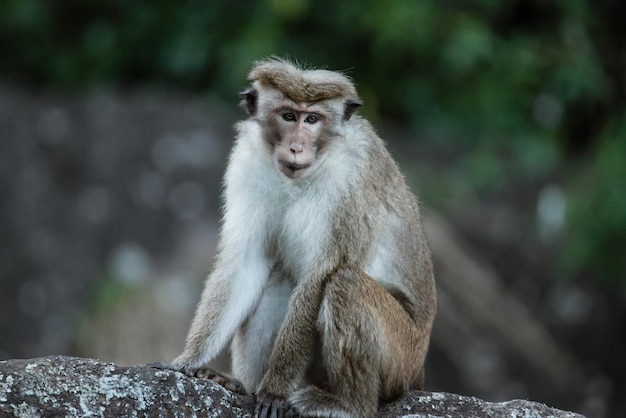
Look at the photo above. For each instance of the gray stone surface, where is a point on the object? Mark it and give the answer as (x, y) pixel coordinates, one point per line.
(77, 387)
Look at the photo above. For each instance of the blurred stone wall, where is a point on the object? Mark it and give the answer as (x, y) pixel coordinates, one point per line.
(94, 185)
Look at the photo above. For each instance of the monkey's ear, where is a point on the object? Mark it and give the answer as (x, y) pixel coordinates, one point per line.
(350, 106)
(249, 100)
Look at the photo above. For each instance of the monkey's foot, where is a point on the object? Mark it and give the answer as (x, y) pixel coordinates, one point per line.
(270, 406)
(315, 402)
(224, 380)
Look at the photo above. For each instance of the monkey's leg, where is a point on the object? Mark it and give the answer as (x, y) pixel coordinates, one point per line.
(371, 349)
(253, 342)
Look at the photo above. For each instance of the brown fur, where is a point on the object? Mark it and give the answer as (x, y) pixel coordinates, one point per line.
(334, 206)
(374, 340)
(301, 85)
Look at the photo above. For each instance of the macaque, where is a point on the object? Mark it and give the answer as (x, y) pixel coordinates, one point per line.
(323, 279)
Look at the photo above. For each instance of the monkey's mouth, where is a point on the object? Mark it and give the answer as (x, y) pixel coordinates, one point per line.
(293, 167)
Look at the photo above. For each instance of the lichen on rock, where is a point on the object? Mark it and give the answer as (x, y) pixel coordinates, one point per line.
(78, 387)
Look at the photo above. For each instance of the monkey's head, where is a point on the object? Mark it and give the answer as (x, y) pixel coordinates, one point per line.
(300, 111)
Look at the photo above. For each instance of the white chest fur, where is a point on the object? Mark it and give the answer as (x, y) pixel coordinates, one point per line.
(269, 215)
(303, 232)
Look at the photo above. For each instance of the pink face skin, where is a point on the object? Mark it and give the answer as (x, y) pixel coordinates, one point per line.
(297, 140)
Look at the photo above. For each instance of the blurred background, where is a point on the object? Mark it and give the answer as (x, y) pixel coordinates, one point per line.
(507, 117)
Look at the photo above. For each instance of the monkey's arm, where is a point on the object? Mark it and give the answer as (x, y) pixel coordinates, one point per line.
(235, 285)
(241, 267)
(228, 298)
(294, 345)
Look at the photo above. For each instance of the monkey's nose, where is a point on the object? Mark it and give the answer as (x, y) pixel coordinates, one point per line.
(296, 148)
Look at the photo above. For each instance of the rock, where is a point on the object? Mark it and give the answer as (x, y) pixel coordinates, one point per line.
(440, 404)
(76, 387)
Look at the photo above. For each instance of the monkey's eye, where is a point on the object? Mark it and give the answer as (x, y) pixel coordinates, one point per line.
(289, 116)
(312, 119)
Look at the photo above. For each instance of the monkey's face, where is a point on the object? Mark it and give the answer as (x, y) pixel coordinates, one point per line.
(297, 136)
(299, 124)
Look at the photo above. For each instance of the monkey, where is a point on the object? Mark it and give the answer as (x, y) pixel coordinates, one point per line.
(323, 278)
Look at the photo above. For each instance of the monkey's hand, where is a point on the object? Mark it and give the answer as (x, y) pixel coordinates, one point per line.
(224, 380)
(270, 406)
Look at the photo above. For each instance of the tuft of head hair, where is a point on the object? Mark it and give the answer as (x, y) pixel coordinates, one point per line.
(301, 85)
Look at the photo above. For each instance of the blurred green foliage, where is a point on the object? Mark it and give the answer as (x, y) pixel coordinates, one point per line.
(518, 88)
